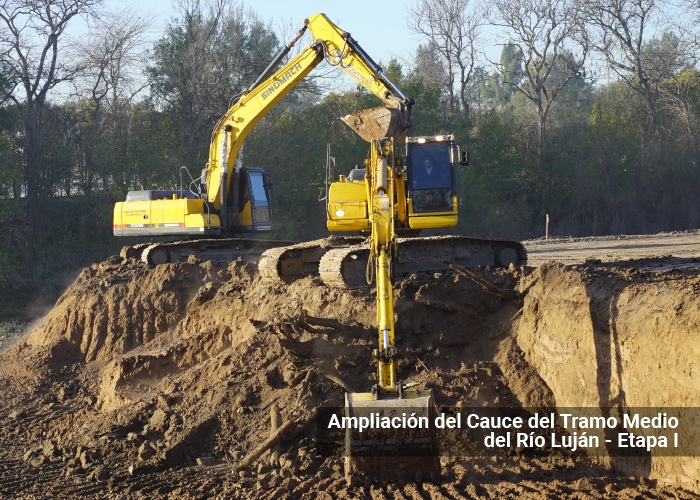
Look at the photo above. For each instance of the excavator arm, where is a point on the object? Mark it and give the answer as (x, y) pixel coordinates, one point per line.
(406, 454)
(232, 128)
(339, 49)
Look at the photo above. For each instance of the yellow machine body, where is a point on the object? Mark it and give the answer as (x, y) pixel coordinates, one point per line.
(349, 209)
(165, 216)
(349, 198)
(380, 202)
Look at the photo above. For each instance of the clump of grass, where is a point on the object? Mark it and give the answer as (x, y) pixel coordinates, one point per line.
(10, 331)
(12, 328)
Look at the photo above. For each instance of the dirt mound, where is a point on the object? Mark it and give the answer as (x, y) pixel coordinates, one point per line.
(620, 338)
(158, 382)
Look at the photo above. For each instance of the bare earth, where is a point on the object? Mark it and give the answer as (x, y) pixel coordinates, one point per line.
(157, 383)
(675, 246)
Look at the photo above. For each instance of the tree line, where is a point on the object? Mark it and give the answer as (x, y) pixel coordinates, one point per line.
(588, 113)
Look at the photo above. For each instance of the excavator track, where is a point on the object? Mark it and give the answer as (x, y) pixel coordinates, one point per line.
(215, 249)
(293, 262)
(345, 267)
(427, 254)
(342, 262)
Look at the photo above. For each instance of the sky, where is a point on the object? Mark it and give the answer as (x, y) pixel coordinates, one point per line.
(382, 31)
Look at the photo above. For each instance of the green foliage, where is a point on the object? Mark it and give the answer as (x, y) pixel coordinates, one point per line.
(663, 57)
(429, 68)
(490, 188)
(8, 165)
(12, 328)
(202, 61)
(429, 115)
(292, 148)
(40, 243)
(498, 87)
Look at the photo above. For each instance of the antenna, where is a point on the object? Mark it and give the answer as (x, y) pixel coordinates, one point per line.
(330, 171)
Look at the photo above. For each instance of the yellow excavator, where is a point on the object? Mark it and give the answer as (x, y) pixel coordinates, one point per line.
(404, 188)
(408, 184)
(232, 199)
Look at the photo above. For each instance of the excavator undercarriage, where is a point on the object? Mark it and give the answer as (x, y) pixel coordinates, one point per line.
(342, 262)
(215, 249)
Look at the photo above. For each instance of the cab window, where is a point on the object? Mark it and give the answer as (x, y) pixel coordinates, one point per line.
(431, 177)
(430, 166)
(257, 187)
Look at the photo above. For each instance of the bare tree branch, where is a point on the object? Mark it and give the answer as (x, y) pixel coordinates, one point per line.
(111, 57)
(454, 28)
(30, 32)
(617, 31)
(551, 47)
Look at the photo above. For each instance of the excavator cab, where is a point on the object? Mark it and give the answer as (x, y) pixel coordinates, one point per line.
(178, 212)
(431, 185)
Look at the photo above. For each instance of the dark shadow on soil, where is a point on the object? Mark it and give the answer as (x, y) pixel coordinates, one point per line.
(604, 312)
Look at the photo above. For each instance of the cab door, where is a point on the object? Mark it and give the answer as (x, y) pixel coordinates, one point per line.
(255, 210)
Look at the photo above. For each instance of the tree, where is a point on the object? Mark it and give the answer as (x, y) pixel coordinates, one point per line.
(206, 58)
(428, 66)
(545, 35)
(108, 85)
(493, 190)
(617, 30)
(663, 57)
(454, 29)
(31, 43)
(680, 98)
(498, 87)
(10, 164)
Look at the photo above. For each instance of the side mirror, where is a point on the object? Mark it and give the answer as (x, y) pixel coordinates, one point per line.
(464, 158)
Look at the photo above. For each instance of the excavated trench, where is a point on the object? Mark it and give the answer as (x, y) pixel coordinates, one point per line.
(155, 383)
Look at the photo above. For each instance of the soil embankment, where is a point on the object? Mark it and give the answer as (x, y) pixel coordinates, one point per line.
(156, 383)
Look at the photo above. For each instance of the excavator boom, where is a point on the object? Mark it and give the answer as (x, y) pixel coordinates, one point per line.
(339, 49)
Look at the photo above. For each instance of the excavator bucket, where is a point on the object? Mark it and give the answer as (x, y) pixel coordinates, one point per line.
(399, 444)
(379, 123)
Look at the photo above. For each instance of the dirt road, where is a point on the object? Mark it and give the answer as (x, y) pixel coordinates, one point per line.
(680, 248)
